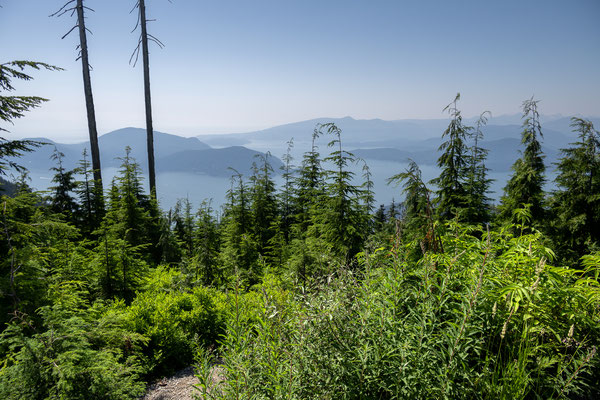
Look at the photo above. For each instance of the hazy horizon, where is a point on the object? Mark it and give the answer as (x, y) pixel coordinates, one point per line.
(83, 136)
(232, 66)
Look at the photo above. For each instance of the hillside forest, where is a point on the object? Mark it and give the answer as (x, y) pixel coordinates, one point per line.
(309, 290)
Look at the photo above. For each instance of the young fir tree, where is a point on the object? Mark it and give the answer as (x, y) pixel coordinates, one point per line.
(183, 220)
(171, 249)
(367, 192)
(525, 186)
(380, 219)
(89, 198)
(340, 218)
(130, 208)
(309, 186)
(451, 193)
(239, 250)
(576, 202)
(477, 184)
(393, 212)
(207, 242)
(418, 216)
(123, 238)
(264, 206)
(62, 200)
(286, 194)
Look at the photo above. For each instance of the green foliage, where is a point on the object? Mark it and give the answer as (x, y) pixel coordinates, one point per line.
(418, 218)
(35, 244)
(62, 201)
(305, 293)
(477, 184)
(77, 353)
(526, 184)
(264, 208)
(207, 241)
(453, 164)
(576, 203)
(173, 320)
(14, 107)
(239, 250)
(340, 219)
(91, 202)
(489, 317)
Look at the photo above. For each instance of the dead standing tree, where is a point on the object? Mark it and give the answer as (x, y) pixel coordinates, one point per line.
(76, 6)
(140, 5)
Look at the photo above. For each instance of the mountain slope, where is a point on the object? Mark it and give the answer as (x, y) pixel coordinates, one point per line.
(214, 162)
(173, 153)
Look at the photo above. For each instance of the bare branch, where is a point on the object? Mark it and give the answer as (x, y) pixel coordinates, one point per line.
(136, 52)
(137, 5)
(137, 22)
(62, 8)
(156, 40)
(70, 30)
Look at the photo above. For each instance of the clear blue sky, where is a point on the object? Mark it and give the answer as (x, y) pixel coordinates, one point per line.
(241, 65)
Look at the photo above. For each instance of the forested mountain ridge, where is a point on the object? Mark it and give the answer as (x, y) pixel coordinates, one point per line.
(112, 145)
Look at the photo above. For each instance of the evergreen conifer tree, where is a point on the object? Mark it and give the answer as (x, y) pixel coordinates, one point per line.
(418, 212)
(477, 184)
(62, 201)
(451, 193)
(239, 250)
(207, 241)
(89, 197)
(576, 202)
(14, 107)
(525, 186)
(264, 205)
(286, 195)
(309, 185)
(123, 237)
(183, 219)
(340, 216)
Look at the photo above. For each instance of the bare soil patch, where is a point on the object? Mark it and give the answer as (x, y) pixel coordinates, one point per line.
(176, 387)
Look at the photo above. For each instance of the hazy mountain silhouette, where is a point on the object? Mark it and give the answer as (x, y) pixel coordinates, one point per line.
(215, 162)
(172, 153)
(398, 141)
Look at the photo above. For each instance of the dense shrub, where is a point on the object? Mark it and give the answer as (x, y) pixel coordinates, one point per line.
(80, 352)
(174, 319)
(489, 317)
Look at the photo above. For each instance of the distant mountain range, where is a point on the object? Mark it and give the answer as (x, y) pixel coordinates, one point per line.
(398, 141)
(172, 153)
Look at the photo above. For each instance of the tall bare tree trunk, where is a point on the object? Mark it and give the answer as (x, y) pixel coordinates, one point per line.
(149, 130)
(89, 100)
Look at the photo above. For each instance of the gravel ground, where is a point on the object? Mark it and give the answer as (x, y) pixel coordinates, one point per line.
(178, 386)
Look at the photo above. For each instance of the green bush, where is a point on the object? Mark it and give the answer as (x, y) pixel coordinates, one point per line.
(488, 317)
(174, 320)
(79, 353)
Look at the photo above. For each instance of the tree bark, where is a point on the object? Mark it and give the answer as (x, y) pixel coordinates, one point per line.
(89, 101)
(149, 130)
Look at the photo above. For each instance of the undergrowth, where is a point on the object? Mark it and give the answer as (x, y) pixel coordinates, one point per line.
(489, 317)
